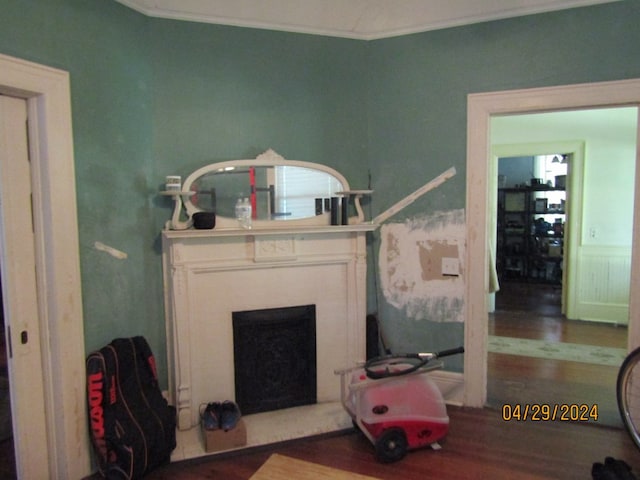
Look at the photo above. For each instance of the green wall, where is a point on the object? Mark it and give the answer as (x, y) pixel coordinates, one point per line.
(104, 47)
(418, 88)
(153, 97)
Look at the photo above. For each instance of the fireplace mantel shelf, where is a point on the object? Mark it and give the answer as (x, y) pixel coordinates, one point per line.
(272, 230)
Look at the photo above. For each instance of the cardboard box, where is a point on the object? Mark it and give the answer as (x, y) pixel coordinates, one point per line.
(218, 440)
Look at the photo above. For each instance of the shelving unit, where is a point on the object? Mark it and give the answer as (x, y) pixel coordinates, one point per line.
(530, 236)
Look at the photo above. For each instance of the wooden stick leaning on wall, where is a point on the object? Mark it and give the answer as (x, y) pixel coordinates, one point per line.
(409, 199)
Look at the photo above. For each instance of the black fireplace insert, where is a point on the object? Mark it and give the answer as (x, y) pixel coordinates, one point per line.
(275, 358)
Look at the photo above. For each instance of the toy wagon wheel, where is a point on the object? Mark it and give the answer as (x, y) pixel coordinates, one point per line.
(391, 446)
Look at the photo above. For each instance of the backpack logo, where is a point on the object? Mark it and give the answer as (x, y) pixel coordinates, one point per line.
(96, 411)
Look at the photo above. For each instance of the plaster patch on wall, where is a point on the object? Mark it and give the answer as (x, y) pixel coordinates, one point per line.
(431, 253)
(411, 266)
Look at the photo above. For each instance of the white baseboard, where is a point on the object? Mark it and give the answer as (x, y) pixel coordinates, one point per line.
(451, 385)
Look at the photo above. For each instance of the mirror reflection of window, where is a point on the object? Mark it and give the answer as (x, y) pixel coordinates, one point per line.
(296, 189)
(280, 192)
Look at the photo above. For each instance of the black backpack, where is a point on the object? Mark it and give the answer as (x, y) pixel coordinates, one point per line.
(132, 428)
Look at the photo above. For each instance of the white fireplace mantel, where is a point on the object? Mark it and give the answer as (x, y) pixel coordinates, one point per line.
(209, 274)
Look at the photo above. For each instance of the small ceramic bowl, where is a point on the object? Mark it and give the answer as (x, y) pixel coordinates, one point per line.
(204, 220)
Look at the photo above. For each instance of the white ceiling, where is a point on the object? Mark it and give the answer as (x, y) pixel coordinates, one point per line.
(360, 19)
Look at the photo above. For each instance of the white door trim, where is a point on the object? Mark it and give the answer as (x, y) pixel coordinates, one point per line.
(575, 179)
(20, 292)
(480, 108)
(48, 96)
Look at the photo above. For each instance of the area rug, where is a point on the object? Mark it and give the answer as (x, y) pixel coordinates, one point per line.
(557, 350)
(280, 467)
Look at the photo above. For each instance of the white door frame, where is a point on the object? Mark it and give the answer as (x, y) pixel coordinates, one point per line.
(480, 108)
(575, 179)
(20, 292)
(48, 96)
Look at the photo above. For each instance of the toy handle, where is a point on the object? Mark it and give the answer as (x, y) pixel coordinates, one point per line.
(451, 351)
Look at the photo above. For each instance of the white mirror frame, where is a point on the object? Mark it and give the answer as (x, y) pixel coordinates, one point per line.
(267, 159)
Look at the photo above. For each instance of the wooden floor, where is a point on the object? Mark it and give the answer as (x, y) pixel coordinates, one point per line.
(480, 445)
(533, 312)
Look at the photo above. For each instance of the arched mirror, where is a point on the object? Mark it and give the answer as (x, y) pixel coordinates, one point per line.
(279, 190)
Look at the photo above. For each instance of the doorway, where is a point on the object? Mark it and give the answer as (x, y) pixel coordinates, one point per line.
(7, 451)
(46, 92)
(481, 108)
(531, 236)
(20, 293)
(535, 352)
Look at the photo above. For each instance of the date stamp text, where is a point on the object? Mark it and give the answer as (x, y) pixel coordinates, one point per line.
(545, 412)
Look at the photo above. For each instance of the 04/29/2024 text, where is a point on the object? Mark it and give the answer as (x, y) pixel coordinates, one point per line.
(544, 412)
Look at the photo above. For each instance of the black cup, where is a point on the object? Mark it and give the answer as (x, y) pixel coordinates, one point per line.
(204, 220)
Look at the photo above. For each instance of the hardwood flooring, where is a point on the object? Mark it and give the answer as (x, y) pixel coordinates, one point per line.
(533, 311)
(480, 445)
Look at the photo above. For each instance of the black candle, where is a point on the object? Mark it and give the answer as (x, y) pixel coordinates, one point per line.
(334, 210)
(344, 210)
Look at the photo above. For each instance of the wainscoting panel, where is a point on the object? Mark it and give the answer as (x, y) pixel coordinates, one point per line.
(603, 290)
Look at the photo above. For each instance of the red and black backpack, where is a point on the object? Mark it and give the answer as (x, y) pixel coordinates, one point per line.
(131, 425)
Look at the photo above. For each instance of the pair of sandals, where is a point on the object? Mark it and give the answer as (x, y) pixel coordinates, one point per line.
(216, 415)
(612, 469)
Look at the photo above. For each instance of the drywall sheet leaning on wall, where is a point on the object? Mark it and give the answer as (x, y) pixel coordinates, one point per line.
(411, 266)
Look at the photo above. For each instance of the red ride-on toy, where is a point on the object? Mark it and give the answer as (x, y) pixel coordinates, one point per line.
(394, 404)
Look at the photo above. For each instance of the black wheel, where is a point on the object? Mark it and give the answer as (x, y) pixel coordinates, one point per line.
(391, 446)
(628, 393)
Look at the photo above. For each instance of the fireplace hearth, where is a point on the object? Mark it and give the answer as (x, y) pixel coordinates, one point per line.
(275, 358)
